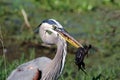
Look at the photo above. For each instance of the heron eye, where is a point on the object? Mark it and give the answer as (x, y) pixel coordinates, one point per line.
(54, 27)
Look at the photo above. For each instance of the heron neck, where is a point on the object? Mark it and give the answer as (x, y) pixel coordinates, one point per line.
(55, 67)
(59, 59)
(61, 50)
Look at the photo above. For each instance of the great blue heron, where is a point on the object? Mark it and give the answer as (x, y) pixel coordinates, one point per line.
(43, 68)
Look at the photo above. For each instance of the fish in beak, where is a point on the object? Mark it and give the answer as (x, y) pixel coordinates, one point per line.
(80, 55)
(82, 51)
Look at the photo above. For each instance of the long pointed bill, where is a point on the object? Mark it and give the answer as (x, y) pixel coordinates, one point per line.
(69, 38)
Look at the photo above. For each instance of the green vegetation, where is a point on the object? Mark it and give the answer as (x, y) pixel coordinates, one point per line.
(93, 22)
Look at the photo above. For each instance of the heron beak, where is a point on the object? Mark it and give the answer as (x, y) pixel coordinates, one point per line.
(69, 38)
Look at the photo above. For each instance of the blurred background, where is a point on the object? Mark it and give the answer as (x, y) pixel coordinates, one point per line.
(95, 22)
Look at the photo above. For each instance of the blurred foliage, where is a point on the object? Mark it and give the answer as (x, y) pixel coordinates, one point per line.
(94, 22)
(74, 6)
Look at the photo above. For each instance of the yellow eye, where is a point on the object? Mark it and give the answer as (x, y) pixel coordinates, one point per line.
(54, 27)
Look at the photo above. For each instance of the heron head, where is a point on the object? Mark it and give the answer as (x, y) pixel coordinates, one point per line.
(50, 30)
